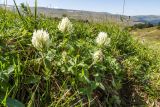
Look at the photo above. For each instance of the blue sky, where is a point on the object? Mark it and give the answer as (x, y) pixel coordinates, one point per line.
(132, 7)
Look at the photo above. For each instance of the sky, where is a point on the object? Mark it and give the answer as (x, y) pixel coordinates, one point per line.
(132, 7)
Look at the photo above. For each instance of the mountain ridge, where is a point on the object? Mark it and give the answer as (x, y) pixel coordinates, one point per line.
(94, 16)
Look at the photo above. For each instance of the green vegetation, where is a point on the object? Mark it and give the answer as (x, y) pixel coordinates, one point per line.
(141, 26)
(127, 76)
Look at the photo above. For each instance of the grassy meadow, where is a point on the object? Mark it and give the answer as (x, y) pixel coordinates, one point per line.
(150, 36)
(66, 72)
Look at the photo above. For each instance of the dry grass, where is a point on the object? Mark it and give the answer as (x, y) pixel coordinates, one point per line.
(148, 36)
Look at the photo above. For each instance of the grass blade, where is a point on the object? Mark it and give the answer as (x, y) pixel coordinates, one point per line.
(35, 14)
(17, 9)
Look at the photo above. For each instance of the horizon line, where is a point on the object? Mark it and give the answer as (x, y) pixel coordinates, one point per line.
(88, 11)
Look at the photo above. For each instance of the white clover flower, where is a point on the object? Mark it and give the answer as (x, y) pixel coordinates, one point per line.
(65, 25)
(102, 39)
(98, 56)
(40, 39)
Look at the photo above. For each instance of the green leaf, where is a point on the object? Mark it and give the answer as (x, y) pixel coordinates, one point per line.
(94, 85)
(86, 91)
(4, 86)
(12, 102)
(101, 86)
(4, 74)
(32, 79)
(88, 81)
(83, 77)
(8, 71)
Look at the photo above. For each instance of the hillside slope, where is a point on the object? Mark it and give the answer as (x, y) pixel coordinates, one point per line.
(153, 19)
(149, 36)
(94, 16)
(47, 62)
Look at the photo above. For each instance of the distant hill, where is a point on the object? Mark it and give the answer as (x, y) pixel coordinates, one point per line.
(149, 18)
(93, 16)
(85, 15)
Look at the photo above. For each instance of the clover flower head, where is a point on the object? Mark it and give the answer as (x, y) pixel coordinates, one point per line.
(98, 56)
(103, 39)
(65, 25)
(40, 39)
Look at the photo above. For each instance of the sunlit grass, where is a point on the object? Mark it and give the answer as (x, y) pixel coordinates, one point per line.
(66, 73)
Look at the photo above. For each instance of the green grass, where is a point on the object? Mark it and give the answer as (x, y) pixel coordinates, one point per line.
(128, 75)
